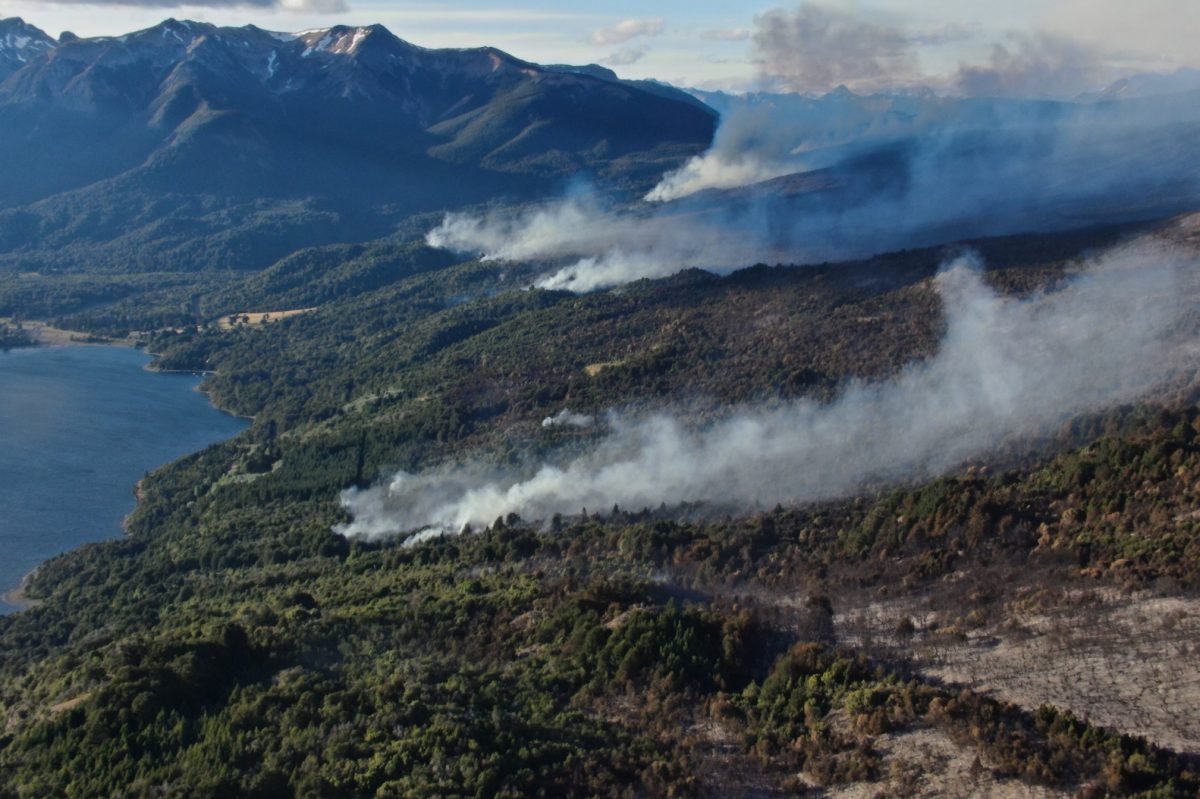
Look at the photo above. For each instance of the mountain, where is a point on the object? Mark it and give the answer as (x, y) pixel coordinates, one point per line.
(653, 86)
(1146, 84)
(20, 42)
(187, 128)
(844, 174)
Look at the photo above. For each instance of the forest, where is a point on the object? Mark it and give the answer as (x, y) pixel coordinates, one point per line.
(233, 644)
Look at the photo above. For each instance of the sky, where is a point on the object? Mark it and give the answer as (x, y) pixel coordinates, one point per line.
(728, 44)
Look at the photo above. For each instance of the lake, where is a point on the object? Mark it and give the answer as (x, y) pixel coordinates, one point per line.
(79, 426)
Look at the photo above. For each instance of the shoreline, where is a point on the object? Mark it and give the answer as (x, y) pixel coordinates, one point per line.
(47, 336)
(43, 334)
(16, 598)
(199, 387)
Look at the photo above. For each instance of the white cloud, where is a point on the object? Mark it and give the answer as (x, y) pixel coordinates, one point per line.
(726, 35)
(292, 6)
(626, 56)
(625, 30)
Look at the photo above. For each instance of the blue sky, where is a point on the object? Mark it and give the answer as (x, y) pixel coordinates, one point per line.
(701, 42)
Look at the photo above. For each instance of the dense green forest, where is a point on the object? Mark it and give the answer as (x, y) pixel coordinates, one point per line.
(234, 645)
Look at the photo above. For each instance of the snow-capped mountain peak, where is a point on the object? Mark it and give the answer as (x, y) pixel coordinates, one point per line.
(339, 40)
(19, 41)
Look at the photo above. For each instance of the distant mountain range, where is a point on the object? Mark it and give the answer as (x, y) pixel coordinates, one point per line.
(144, 144)
(1147, 84)
(188, 147)
(811, 127)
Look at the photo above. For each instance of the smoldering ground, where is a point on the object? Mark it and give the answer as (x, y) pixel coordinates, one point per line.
(1006, 367)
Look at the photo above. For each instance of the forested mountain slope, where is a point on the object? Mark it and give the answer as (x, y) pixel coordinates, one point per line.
(235, 644)
(187, 147)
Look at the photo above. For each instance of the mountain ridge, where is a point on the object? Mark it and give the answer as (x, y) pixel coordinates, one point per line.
(351, 117)
(19, 41)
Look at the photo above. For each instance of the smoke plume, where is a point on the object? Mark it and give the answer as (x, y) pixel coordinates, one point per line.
(568, 418)
(794, 178)
(754, 142)
(895, 172)
(1035, 65)
(815, 49)
(594, 246)
(1007, 367)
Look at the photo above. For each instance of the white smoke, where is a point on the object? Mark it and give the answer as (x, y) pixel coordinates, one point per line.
(815, 48)
(750, 146)
(765, 136)
(809, 54)
(895, 173)
(1007, 367)
(594, 247)
(568, 418)
(720, 169)
(1036, 65)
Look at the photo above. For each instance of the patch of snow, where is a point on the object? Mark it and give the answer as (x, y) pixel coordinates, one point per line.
(272, 65)
(12, 41)
(320, 46)
(359, 35)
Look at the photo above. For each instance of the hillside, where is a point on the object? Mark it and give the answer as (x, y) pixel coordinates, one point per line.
(234, 644)
(188, 147)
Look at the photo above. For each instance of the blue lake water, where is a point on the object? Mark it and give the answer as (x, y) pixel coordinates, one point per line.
(79, 426)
